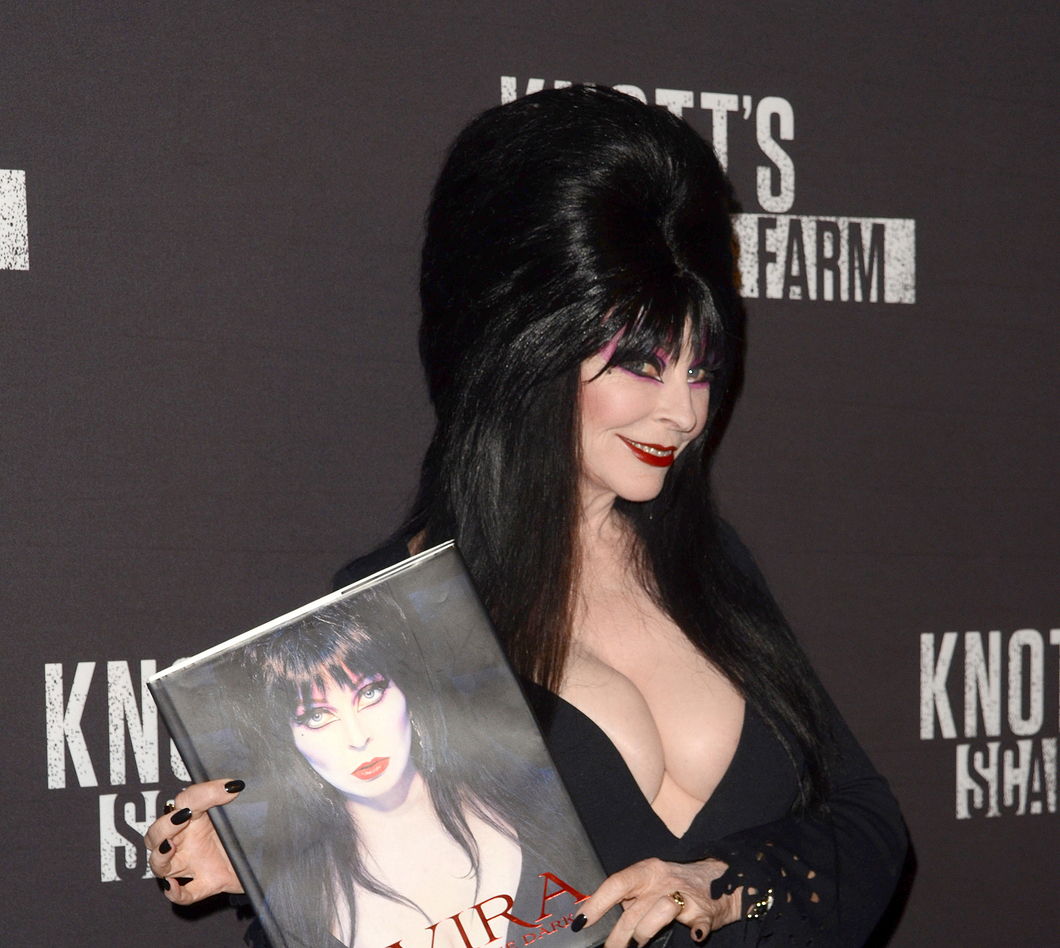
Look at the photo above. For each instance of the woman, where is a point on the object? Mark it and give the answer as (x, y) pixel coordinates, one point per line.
(582, 337)
(365, 762)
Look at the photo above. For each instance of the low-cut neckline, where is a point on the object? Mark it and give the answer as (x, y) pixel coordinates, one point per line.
(632, 787)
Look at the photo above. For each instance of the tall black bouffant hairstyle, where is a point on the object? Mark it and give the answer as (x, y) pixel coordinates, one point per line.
(559, 221)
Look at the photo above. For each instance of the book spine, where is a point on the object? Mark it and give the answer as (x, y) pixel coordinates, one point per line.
(251, 886)
(179, 733)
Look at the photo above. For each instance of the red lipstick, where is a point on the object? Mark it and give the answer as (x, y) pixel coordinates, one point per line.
(372, 768)
(656, 455)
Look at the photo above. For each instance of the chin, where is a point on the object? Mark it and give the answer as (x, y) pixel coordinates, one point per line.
(642, 493)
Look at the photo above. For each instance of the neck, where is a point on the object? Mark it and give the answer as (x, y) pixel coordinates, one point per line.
(599, 522)
(605, 546)
(408, 796)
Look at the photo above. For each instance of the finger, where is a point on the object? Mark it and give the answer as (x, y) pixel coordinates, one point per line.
(161, 859)
(162, 831)
(616, 888)
(196, 799)
(199, 797)
(191, 883)
(646, 917)
(162, 835)
(169, 859)
(178, 887)
(657, 914)
(183, 890)
(165, 887)
(624, 934)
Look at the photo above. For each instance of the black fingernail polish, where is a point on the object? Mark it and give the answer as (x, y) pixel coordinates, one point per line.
(164, 847)
(633, 943)
(579, 923)
(181, 816)
(183, 880)
(697, 935)
(164, 883)
(235, 786)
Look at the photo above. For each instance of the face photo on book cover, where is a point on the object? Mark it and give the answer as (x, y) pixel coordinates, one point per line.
(398, 793)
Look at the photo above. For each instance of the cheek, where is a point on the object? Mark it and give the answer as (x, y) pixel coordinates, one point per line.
(313, 746)
(299, 744)
(701, 401)
(398, 722)
(303, 746)
(612, 401)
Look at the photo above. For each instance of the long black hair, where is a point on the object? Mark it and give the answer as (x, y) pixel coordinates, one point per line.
(311, 859)
(559, 221)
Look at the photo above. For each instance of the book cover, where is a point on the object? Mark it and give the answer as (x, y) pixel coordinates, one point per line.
(398, 792)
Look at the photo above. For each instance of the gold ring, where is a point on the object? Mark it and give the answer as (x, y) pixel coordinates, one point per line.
(677, 898)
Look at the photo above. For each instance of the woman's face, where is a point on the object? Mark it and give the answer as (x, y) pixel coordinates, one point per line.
(636, 418)
(358, 738)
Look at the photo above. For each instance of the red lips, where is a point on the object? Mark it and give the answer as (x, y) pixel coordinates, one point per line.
(655, 455)
(372, 768)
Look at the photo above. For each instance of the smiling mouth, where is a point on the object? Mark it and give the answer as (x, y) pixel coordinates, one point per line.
(372, 768)
(655, 455)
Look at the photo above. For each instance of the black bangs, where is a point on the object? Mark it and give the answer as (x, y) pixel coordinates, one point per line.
(346, 663)
(294, 661)
(649, 326)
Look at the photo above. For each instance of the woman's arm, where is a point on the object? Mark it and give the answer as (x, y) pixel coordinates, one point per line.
(832, 872)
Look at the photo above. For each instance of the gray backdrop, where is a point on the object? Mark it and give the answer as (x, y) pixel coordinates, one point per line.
(209, 226)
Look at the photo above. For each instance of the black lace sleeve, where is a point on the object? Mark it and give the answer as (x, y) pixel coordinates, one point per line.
(825, 878)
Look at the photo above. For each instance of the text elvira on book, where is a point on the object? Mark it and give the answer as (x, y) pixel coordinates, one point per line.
(477, 922)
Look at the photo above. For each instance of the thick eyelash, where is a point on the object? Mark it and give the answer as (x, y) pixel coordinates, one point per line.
(635, 366)
(381, 684)
(302, 720)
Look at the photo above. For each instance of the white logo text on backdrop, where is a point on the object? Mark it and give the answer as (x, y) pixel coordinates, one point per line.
(1005, 758)
(14, 225)
(131, 725)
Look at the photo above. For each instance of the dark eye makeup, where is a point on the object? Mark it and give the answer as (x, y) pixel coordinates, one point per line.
(316, 716)
(652, 367)
(372, 692)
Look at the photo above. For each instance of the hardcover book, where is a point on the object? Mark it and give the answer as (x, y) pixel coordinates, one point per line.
(398, 792)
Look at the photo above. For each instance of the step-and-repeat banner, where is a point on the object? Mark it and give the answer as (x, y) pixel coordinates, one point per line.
(209, 225)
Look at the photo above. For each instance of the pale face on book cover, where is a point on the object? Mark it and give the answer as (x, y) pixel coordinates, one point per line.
(357, 736)
(404, 798)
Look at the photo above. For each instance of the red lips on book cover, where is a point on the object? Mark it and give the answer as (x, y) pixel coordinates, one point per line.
(398, 792)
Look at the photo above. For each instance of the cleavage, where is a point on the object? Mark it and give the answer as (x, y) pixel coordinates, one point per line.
(674, 720)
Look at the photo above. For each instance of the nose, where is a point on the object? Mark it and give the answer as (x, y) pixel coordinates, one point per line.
(356, 735)
(677, 407)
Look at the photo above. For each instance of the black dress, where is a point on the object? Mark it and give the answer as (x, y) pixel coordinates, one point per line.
(830, 875)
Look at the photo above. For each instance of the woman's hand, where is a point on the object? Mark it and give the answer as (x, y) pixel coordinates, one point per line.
(186, 852)
(651, 893)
